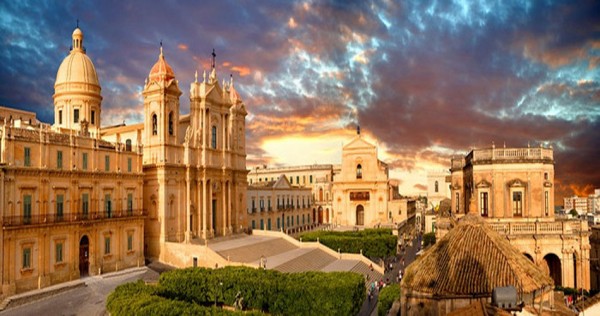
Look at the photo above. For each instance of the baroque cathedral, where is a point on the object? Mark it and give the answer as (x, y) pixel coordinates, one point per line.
(79, 199)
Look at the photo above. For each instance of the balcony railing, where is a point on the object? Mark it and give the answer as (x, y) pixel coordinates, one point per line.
(20, 220)
(549, 228)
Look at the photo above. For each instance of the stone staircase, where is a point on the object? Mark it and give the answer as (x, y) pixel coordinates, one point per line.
(253, 252)
(364, 269)
(314, 260)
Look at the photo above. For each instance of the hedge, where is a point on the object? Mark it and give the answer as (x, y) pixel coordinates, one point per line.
(195, 291)
(387, 296)
(374, 243)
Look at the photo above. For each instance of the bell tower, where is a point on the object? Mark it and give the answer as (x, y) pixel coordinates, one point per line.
(161, 112)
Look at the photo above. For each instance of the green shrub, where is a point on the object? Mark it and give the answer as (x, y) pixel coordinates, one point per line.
(374, 243)
(428, 239)
(194, 291)
(387, 296)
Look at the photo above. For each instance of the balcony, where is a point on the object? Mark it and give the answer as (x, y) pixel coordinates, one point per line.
(253, 210)
(50, 219)
(546, 228)
(262, 209)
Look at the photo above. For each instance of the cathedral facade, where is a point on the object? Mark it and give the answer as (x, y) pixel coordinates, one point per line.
(78, 199)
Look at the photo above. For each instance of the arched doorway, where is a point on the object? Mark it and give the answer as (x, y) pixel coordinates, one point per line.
(327, 215)
(84, 256)
(320, 215)
(360, 215)
(554, 268)
(528, 256)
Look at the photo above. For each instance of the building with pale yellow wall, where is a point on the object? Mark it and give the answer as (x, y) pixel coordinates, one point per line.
(71, 203)
(277, 205)
(513, 189)
(363, 193)
(317, 177)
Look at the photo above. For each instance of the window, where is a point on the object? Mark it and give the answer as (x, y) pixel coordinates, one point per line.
(108, 206)
(517, 203)
(59, 162)
(359, 172)
(253, 224)
(457, 202)
(128, 145)
(171, 123)
(436, 187)
(85, 204)
(269, 204)
(93, 118)
(26, 209)
(130, 203)
(483, 203)
(546, 202)
(154, 125)
(253, 206)
(310, 179)
(59, 252)
(107, 163)
(297, 219)
(292, 220)
(60, 117)
(106, 245)
(84, 159)
(27, 158)
(278, 223)
(303, 221)
(291, 180)
(545, 175)
(59, 207)
(76, 116)
(27, 258)
(213, 139)
(297, 180)
(130, 242)
(128, 164)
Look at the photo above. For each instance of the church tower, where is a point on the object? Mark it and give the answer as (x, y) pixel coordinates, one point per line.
(161, 113)
(77, 96)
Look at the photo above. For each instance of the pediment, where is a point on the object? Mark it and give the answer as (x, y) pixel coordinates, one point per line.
(483, 184)
(359, 142)
(282, 183)
(516, 183)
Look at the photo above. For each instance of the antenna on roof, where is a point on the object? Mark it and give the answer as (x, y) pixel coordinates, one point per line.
(77, 23)
(213, 58)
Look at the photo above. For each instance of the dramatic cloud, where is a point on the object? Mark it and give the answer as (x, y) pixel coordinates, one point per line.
(425, 80)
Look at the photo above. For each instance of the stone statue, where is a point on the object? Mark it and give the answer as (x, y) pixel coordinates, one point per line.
(189, 133)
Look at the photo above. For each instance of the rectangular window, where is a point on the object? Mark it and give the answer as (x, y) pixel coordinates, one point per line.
(60, 117)
(297, 179)
(106, 245)
(107, 163)
(59, 207)
(483, 203)
(85, 204)
(84, 162)
(26, 209)
(457, 202)
(546, 202)
(292, 220)
(291, 180)
(128, 164)
(107, 206)
(27, 258)
(517, 203)
(213, 139)
(303, 221)
(310, 179)
(76, 116)
(278, 223)
(59, 162)
(253, 224)
(59, 252)
(129, 204)
(130, 242)
(93, 117)
(27, 158)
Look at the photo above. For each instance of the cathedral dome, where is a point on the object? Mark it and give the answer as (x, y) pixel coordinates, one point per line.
(77, 67)
(161, 69)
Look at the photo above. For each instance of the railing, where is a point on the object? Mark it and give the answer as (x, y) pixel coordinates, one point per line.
(550, 228)
(20, 220)
(512, 153)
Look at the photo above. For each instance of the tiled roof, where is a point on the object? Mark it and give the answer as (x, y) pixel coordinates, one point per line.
(472, 259)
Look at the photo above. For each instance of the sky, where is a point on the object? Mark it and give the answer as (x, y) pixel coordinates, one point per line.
(425, 80)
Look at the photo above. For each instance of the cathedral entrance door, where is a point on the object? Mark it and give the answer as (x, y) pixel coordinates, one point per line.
(360, 215)
(84, 256)
(320, 215)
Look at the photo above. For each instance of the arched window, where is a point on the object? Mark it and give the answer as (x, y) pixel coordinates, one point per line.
(154, 125)
(128, 145)
(171, 123)
(213, 139)
(359, 172)
(436, 187)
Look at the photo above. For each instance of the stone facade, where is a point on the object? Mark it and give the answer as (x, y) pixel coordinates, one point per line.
(513, 188)
(363, 193)
(279, 206)
(437, 188)
(319, 178)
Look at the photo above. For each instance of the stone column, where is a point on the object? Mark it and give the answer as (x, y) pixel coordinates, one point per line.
(224, 208)
(188, 204)
(204, 207)
(229, 202)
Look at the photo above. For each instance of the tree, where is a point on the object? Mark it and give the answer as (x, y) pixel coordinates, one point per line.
(428, 239)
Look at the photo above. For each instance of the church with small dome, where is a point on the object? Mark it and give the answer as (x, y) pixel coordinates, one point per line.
(81, 199)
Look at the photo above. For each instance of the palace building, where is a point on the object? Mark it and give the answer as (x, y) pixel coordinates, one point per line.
(79, 199)
(513, 190)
